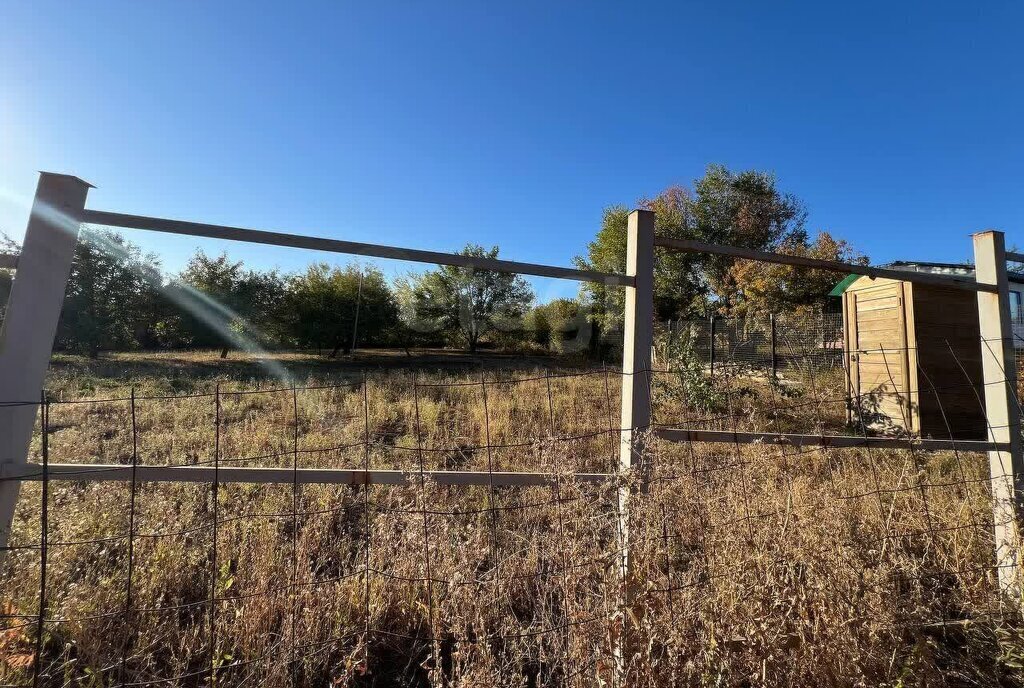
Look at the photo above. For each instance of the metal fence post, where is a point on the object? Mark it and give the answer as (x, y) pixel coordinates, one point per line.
(999, 378)
(775, 360)
(711, 344)
(30, 323)
(636, 395)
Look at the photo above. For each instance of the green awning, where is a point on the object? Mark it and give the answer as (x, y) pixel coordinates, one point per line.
(840, 288)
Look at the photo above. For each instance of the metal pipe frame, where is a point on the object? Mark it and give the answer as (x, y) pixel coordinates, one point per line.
(689, 246)
(832, 441)
(259, 236)
(243, 474)
(356, 476)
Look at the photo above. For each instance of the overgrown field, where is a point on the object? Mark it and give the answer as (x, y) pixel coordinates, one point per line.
(750, 565)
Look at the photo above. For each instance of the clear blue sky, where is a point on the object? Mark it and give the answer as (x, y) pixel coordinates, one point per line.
(433, 124)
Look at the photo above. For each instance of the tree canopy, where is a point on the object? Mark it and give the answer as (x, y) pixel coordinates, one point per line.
(744, 209)
(118, 298)
(334, 307)
(225, 304)
(561, 325)
(761, 288)
(109, 296)
(677, 285)
(468, 303)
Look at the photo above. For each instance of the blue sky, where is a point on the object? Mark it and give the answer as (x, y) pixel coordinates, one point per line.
(432, 124)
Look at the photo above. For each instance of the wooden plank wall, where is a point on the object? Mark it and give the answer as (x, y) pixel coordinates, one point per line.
(949, 353)
(915, 358)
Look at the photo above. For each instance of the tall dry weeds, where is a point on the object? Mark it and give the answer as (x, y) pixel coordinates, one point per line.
(751, 565)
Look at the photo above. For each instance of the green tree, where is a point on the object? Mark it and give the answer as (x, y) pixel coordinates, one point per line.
(262, 296)
(537, 323)
(558, 325)
(215, 302)
(763, 288)
(222, 303)
(109, 289)
(211, 286)
(467, 303)
(414, 328)
(7, 247)
(743, 209)
(326, 301)
(677, 286)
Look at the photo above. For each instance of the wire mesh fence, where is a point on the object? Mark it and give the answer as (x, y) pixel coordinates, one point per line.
(794, 564)
(769, 342)
(761, 533)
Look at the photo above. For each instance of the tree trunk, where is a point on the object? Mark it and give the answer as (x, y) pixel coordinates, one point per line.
(342, 347)
(224, 352)
(406, 339)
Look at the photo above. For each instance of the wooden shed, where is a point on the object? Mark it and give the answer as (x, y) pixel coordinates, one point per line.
(913, 357)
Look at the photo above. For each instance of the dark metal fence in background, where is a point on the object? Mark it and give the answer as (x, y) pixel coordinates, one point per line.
(772, 342)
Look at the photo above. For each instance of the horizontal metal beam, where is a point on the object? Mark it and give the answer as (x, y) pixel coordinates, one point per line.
(835, 266)
(241, 474)
(258, 236)
(793, 440)
(8, 261)
(1014, 257)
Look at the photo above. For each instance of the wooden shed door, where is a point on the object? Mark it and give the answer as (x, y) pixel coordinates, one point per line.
(878, 354)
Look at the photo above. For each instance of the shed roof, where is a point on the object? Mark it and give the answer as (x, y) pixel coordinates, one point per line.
(958, 269)
(840, 288)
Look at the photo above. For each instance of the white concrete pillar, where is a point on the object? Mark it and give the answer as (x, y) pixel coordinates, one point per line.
(999, 375)
(30, 322)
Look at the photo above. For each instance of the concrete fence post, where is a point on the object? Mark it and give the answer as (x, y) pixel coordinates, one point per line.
(636, 397)
(30, 322)
(999, 378)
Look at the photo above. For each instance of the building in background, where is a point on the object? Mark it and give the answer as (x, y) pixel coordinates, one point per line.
(966, 271)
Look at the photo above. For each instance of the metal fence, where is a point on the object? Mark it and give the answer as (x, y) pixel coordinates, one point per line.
(681, 540)
(772, 342)
(335, 538)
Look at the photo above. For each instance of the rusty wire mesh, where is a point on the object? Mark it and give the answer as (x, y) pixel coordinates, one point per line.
(792, 565)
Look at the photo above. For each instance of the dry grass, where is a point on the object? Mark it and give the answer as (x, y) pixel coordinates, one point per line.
(752, 565)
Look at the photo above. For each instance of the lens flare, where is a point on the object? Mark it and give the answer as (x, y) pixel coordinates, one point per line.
(227, 323)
